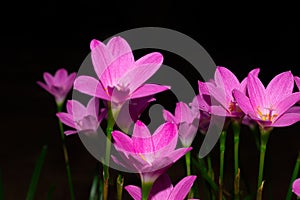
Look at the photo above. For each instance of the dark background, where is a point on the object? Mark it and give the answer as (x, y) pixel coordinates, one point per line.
(48, 35)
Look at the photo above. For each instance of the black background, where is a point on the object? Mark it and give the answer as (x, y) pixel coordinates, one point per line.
(45, 36)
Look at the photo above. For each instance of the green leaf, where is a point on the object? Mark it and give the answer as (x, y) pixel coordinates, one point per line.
(93, 192)
(36, 174)
(1, 188)
(200, 166)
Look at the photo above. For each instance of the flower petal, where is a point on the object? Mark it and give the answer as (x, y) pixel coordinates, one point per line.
(182, 188)
(243, 85)
(122, 142)
(183, 113)
(286, 119)
(91, 86)
(219, 94)
(92, 107)
(118, 47)
(45, 87)
(297, 80)
(70, 132)
(294, 109)
(243, 102)
(141, 130)
(101, 57)
(187, 132)
(296, 187)
(280, 87)
(141, 138)
(161, 188)
(116, 69)
(177, 154)
(224, 78)
(60, 77)
(169, 117)
(134, 191)
(66, 119)
(144, 68)
(165, 137)
(202, 87)
(287, 103)
(69, 107)
(148, 89)
(48, 78)
(257, 93)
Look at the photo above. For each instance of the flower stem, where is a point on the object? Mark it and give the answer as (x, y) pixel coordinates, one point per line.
(294, 176)
(188, 170)
(210, 173)
(66, 156)
(188, 163)
(109, 129)
(146, 187)
(264, 136)
(236, 130)
(120, 183)
(222, 152)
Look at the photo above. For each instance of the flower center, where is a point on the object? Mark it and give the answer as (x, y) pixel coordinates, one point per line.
(267, 114)
(233, 107)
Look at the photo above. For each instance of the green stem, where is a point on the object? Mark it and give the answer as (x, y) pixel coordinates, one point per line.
(120, 184)
(236, 130)
(264, 136)
(294, 176)
(146, 187)
(188, 170)
(222, 152)
(109, 129)
(66, 156)
(210, 173)
(188, 163)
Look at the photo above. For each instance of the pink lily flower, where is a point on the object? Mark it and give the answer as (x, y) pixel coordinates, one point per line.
(187, 120)
(163, 189)
(120, 77)
(271, 106)
(58, 85)
(149, 155)
(83, 119)
(221, 91)
(296, 187)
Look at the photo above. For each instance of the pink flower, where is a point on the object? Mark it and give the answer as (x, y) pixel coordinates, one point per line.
(59, 85)
(163, 189)
(296, 187)
(83, 119)
(221, 91)
(120, 76)
(271, 106)
(187, 120)
(149, 155)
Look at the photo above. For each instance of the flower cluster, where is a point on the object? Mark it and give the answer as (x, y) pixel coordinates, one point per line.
(120, 85)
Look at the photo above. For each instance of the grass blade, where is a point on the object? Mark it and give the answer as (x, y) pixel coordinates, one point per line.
(36, 174)
(93, 192)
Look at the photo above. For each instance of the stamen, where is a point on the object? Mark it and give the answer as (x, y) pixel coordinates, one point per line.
(142, 156)
(267, 114)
